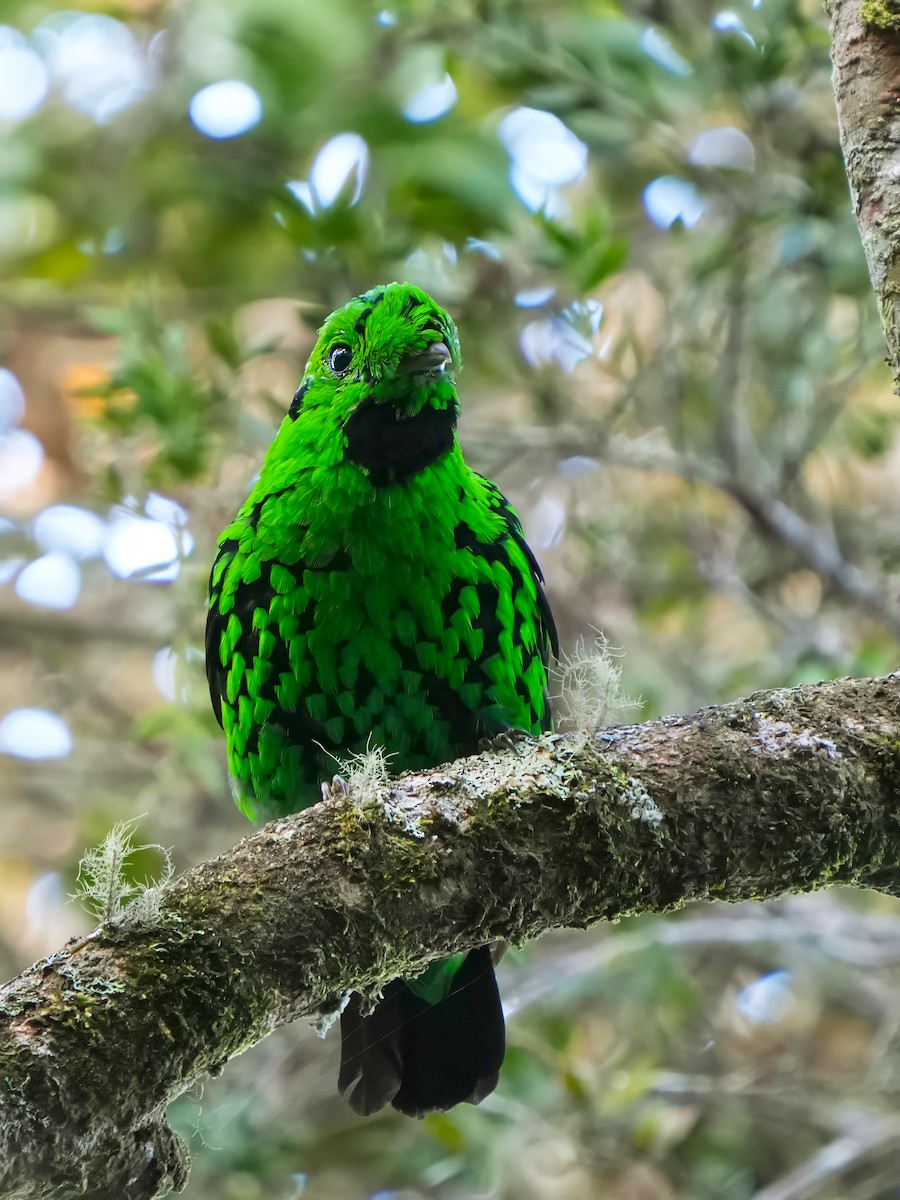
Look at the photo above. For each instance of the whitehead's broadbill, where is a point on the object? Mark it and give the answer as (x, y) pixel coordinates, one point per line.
(374, 590)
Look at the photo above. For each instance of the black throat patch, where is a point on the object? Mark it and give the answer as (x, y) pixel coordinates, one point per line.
(393, 449)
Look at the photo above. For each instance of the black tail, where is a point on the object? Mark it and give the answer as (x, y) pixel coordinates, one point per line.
(423, 1057)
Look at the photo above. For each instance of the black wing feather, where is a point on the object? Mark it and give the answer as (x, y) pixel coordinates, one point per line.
(550, 637)
(216, 674)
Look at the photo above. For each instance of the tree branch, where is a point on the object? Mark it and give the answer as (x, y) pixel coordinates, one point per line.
(865, 49)
(791, 789)
(869, 1138)
(815, 546)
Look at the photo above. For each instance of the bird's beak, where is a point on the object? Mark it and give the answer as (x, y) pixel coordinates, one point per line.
(433, 359)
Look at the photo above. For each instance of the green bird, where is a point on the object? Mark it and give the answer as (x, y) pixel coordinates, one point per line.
(374, 590)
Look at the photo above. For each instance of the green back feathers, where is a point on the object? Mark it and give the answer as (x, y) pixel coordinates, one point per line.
(373, 587)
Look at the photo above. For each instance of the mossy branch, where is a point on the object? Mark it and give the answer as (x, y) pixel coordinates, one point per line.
(787, 790)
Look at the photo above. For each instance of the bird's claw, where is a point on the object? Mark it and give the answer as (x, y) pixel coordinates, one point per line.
(337, 789)
(509, 739)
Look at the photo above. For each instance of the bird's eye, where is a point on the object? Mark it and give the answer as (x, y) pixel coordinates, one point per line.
(339, 359)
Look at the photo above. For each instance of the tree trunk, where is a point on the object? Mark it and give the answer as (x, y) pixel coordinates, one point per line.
(865, 49)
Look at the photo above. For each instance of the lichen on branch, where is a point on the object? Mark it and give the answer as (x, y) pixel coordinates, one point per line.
(882, 14)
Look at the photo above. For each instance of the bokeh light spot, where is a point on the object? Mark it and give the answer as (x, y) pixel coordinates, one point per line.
(543, 147)
(300, 190)
(8, 568)
(12, 400)
(723, 146)
(536, 196)
(431, 102)
(766, 1000)
(577, 464)
(658, 47)
(163, 508)
(669, 199)
(45, 902)
(546, 522)
(545, 155)
(485, 249)
(34, 733)
(341, 165)
(534, 297)
(95, 61)
(140, 548)
(165, 662)
(51, 581)
(727, 21)
(225, 109)
(23, 76)
(74, 531)
(553, 340)
(21, 458)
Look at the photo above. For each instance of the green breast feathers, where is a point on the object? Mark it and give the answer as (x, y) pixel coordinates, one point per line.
(373, 589)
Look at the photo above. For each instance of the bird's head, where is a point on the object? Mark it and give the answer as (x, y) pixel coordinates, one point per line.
(383, 370)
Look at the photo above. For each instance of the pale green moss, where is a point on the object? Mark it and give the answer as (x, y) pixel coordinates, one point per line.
(881, 14)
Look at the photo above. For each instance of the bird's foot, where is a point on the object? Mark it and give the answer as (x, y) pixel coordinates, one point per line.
(509, 739)
(328, 1012)
(338, 789)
